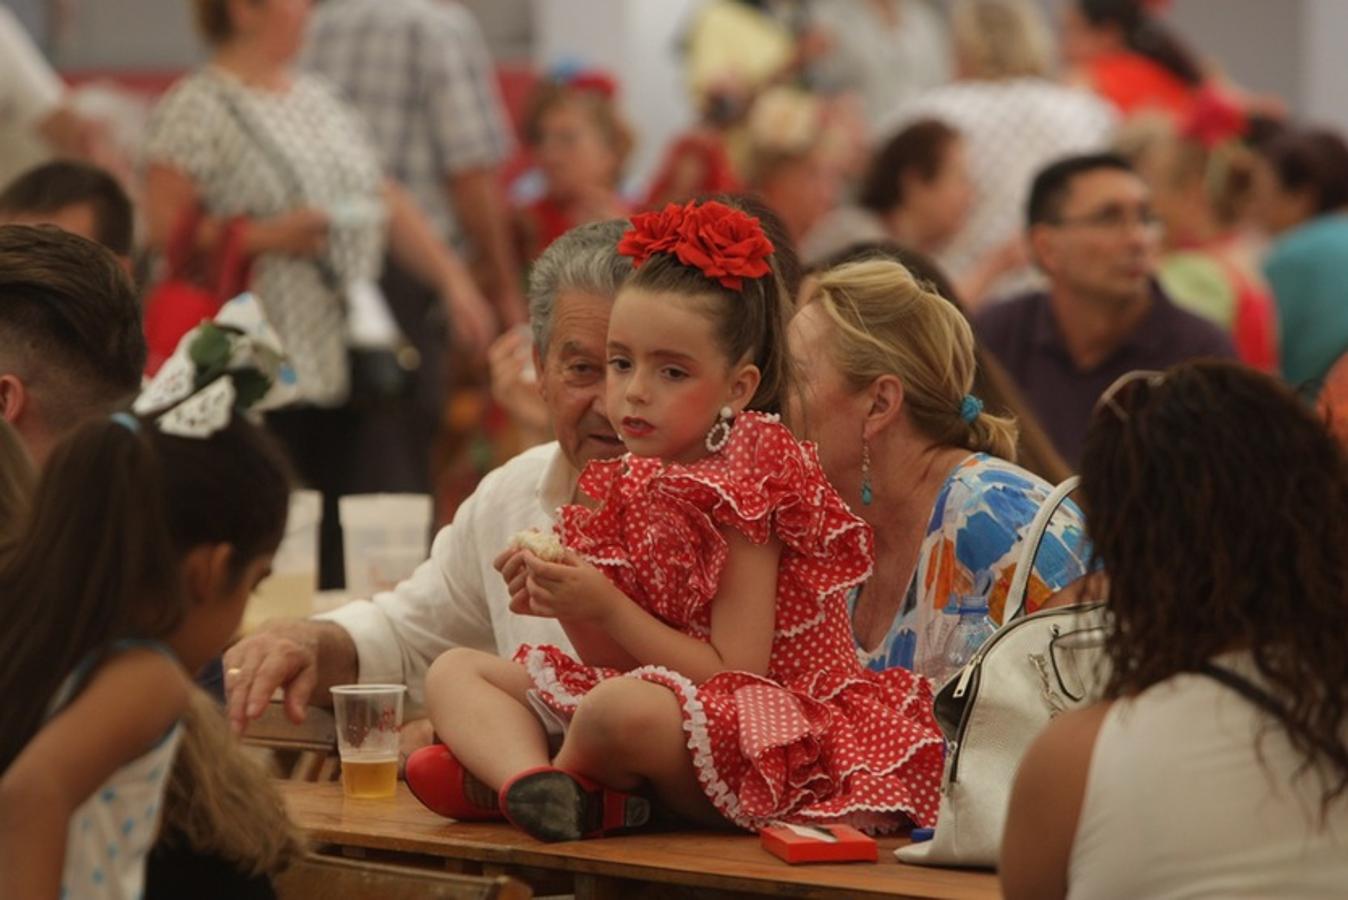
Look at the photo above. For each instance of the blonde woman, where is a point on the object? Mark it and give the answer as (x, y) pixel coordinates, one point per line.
(886, 370)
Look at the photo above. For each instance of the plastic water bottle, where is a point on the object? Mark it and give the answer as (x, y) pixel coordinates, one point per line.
(969, 634)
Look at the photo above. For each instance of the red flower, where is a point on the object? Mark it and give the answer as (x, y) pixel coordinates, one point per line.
(724, 243)
(651, 233)
(1213, 119)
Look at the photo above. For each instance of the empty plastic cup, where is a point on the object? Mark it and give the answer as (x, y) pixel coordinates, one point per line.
(383, 539)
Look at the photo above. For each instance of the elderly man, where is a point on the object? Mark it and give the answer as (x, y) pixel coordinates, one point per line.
(71, 345)
(456, 598)
(1092, 232)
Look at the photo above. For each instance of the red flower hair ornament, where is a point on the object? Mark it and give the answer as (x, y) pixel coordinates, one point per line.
(723, 243)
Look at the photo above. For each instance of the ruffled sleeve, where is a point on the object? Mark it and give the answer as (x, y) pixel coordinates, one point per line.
(662, 551)
(766, 483)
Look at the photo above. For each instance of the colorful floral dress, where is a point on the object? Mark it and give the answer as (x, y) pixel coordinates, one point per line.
(971, 547)
(819, 738)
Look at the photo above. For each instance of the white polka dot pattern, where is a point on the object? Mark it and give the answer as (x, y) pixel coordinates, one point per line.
(820, 739)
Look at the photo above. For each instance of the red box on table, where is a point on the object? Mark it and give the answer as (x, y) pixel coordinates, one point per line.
(850, 845)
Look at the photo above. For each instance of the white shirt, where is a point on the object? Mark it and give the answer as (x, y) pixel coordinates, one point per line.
(1012, 128)
(1180, 804)
(29, 92)
(456, 598)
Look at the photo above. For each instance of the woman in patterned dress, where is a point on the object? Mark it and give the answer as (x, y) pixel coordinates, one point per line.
(703, 590)
(887, 367)
(274, 160)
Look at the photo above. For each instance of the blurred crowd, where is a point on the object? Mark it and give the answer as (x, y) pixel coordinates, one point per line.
(355, 164)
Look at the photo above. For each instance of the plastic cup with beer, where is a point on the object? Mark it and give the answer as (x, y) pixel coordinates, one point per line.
(368, 719)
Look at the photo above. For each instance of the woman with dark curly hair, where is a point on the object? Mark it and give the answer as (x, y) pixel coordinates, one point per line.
(1217, 765)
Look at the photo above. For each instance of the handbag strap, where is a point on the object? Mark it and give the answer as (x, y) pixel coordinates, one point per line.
(1033, 537)
(283, 168)
(1241, 685)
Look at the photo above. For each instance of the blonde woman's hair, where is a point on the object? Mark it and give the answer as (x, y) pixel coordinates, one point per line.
(221, 802)
(886, 323)
(1001, 38)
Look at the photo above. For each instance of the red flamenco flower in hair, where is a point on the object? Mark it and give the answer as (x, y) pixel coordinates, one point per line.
(725, 244)
(651, 233)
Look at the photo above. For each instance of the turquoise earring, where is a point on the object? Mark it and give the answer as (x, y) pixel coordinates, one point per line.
(867, 494)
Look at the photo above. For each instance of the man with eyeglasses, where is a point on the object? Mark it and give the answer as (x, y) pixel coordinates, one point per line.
(1092, 232)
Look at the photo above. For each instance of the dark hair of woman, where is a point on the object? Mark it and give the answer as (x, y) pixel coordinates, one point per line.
(1145, 34)
(1311, 159)
(918, 149)
(1218, 503)
(114, 514)
(992, 383)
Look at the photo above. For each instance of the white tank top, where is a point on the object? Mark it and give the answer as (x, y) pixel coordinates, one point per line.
(1179, 804)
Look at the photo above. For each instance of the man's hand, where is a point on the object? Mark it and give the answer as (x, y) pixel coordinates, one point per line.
(256, 666)
(514, 384)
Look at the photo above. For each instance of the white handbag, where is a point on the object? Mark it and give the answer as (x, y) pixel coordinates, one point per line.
(1030, 670)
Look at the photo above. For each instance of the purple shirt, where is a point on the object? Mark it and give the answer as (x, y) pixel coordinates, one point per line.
(1023, 334)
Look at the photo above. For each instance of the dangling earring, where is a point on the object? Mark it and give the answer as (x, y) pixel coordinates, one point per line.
(867, 494)
(720, 432)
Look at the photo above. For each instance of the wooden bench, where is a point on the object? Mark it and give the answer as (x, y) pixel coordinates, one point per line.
(329, 878)
(684, 864)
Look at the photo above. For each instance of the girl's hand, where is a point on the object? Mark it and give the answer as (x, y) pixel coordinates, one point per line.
(572, 590)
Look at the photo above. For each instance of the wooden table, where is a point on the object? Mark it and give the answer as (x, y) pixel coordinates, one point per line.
(626, 866)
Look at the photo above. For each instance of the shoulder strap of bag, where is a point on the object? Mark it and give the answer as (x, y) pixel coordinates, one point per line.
(281, 164)
(1034, 536)
(1241, 685)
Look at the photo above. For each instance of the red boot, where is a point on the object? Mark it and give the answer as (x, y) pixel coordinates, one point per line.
(553, 805)
(445, 787)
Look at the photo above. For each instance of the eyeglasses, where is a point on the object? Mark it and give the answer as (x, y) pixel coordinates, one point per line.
(1114, 218)
(1128, 392)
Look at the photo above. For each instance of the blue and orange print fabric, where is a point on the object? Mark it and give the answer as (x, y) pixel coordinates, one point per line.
(971, 546)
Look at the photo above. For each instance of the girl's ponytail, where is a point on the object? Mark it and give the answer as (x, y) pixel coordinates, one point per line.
(93, 565)
(118, 507)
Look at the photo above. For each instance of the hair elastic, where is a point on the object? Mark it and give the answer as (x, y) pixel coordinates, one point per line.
(127, 421)
(970, 408)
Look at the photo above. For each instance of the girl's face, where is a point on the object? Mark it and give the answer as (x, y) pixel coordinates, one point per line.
(825, 408)
(217, 598)
(667, 375)
(572, 152)
(942, 204)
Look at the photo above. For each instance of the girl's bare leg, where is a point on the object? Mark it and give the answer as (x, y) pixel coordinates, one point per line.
(477, 703)
(627, 732)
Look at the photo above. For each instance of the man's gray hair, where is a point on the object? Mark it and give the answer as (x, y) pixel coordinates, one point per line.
(584, 259)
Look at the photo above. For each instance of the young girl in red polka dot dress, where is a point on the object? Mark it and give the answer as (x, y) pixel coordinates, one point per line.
(703, 590)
